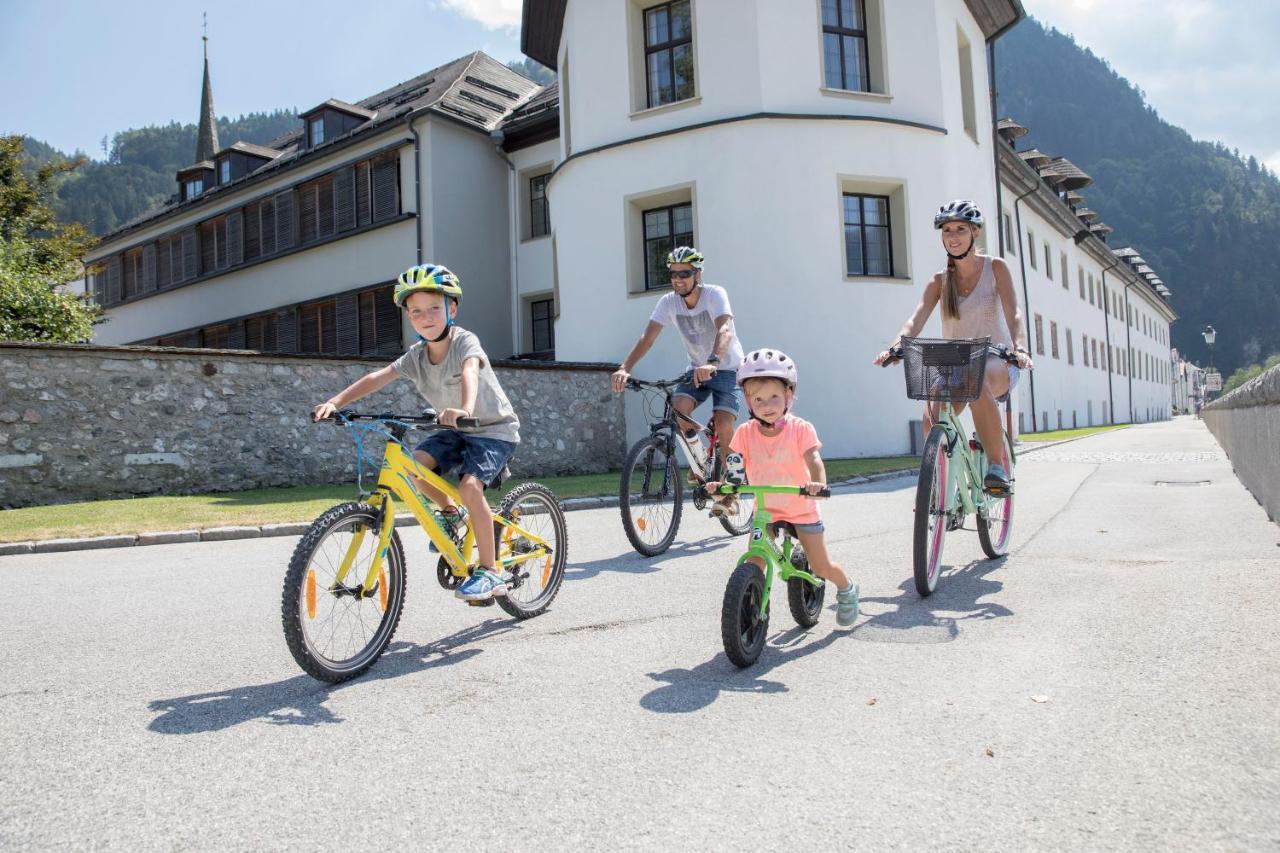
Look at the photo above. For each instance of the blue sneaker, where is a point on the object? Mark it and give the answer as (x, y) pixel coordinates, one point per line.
(483, 584)
(450, 521)
(997, 481)
(847, 605)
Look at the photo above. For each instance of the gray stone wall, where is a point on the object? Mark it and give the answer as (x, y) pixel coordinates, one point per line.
(1246, 423)
(86, 422)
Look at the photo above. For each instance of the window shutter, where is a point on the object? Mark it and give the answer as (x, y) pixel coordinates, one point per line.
(307, 214)
(324, 194)
(344, 198)
(100, 286)
(328, 328)
(190, 255)
(386, 180)
(114, 284)
(235, 237)
(268, 227)
(362, 193)
(284, 220)
(235, 335)
(164, 270)
(348, 324)
(149, 268)
(368, 326)
(269, 333)
(252, 232)
(388, 319)
(287, 330)
(208, 248)
(220, 242)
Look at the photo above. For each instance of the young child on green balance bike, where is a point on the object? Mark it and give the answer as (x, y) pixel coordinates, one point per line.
(778, 448)
(449, 368)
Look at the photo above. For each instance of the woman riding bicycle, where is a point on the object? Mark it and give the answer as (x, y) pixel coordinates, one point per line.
(978, 301)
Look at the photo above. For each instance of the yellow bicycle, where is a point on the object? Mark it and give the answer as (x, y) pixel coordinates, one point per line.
(344, 589)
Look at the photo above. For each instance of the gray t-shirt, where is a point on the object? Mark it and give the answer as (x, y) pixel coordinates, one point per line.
(441, 384)
(697, 326)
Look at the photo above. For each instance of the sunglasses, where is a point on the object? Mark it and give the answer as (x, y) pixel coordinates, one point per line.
(682, 273)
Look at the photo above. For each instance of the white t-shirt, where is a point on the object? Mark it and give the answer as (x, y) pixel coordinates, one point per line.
(697, 325)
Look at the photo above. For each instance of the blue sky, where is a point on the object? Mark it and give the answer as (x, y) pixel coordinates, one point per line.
(78, 70)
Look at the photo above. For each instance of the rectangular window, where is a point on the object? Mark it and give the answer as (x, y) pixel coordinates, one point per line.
(379, 322)
(315, 209)
(1081, 271)
(967, 101)
(224, 170)
(1031, 247)
(132, 273)
(216, 337)
(1071, 354)
(1053, 337)
(317, 131)
(317, 331)
(1090, 288)
(844, 45)
(194, 188)
(1010, 239)
(539, 213)
(1048, 263)
(1039, 334)
(260, 333)
(664, 229)
(867, 240)
(1062, 265)
(668, 53)
(542, 318)
(1094, 347)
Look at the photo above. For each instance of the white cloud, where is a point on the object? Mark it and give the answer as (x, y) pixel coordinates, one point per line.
(494, 14)
(1208, 67)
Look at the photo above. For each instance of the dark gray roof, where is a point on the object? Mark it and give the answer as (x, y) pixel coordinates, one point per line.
(542, 106)
(254, 150)
(334, 103)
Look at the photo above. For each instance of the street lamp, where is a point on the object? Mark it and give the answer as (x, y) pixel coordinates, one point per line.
(1210, 335)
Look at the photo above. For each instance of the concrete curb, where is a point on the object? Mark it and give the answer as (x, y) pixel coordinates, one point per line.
(297, 528)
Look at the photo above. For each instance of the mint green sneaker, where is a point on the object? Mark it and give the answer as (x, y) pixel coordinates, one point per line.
(847, 605)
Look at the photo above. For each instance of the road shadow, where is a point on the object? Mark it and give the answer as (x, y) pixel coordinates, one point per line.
(686, 690)
(299, 701)
(630, 562)
(912, 619)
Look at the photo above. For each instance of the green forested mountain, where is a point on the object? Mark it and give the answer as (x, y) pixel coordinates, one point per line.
(1207, 220)
(141, 165)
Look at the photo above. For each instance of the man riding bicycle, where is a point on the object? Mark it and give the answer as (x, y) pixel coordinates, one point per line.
(702, 315)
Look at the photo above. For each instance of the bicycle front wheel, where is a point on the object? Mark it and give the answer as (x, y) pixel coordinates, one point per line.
(336, 628)
(931, 513)
(995, 522)
(737, 522)
(742, 627)
(536, 511)
(650, 496)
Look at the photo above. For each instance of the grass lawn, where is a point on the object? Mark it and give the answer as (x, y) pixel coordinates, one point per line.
(270, 506)
(1060, 434)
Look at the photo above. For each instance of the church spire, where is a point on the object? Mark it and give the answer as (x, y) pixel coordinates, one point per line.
(207, 135)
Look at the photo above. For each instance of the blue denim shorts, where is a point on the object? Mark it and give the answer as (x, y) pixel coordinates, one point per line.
(482, 458)
(722, 388)
(813, 527)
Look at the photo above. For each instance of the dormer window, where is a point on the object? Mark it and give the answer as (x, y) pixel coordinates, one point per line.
(224, 170)
(194, 188)
(316, 131)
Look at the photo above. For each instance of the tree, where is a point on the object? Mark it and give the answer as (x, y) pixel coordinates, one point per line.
(37, 253)
(535, 71)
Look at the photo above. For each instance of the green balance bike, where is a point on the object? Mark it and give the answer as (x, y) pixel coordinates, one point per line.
(951, 483)
(744, 617)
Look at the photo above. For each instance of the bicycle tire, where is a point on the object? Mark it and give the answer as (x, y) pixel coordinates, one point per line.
(642, 518)
(552, 573)
(804, 598)
(741, 627)
(994, 536)
(303, 591)
(740, 522)
(930, 527)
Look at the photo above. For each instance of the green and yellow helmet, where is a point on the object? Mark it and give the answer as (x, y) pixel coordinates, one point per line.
(685, 255)
(427, 278)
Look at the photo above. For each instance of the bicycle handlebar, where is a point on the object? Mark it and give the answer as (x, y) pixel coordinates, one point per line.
(426, 419)
(748, 489)
(661, 385)
(998, 350)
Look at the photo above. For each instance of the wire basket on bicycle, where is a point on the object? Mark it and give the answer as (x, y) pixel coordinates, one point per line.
(945, 370)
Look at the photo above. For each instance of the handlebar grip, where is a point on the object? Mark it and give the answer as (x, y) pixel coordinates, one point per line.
(824, 492)
(895, 355)
(467, 423)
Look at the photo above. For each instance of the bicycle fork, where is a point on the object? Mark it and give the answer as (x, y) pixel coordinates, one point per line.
(374, 581)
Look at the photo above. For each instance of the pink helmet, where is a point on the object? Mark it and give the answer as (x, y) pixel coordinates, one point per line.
(768, 364)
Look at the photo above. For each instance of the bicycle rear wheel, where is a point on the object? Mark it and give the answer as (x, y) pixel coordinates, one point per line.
(995, 522)
(931, 513)
(535, 508)
(738, 522)
(335, 629)
(650, 495)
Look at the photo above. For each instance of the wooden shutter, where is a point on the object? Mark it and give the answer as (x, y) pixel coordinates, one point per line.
(328, 327)
(235, 335)
(235, 237)
(130, 274)
(386, 182)
(388, 319)
(149, 268)
(114, 284)
(324, 204)
(348, 324)
(362, 193)
(190, 255)
(252, 232)
(344, 201)
(220, 248)
(268, 227)
(208, 248)
(287, 330)
(100, 286)
(164, 269)
(284, 221)
(368, 324)
(307, 219)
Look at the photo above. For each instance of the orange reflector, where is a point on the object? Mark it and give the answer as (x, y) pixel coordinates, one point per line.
(311, 594)
(382, 590)
(546, 570)
(640, 523)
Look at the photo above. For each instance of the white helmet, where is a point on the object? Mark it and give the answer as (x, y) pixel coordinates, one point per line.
(768, 364)
(960, 210)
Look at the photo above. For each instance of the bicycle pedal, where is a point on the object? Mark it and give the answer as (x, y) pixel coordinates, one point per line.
(484, 602)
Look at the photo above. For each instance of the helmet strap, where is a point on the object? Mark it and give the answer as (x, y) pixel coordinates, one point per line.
(448, 322)
(966, 252)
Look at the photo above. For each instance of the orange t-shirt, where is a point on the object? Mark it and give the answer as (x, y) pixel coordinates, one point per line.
(778, 460)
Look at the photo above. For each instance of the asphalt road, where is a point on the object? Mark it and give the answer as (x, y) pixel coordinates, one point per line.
(149, 701)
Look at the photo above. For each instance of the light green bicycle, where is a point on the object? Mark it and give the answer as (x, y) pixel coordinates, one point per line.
(951, 484)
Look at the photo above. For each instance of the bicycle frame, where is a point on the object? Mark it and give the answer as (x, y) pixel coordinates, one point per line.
(395, 483)
(776, 559)
(671, 421)
(965, 480)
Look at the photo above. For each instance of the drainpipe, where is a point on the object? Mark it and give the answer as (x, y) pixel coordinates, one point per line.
(995, 134)
(1128, 332)
(498, 138)
(1106, 325)
(417, 178)
(1026, 297)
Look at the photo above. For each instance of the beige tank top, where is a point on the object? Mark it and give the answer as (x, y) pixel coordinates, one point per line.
(981, 314)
